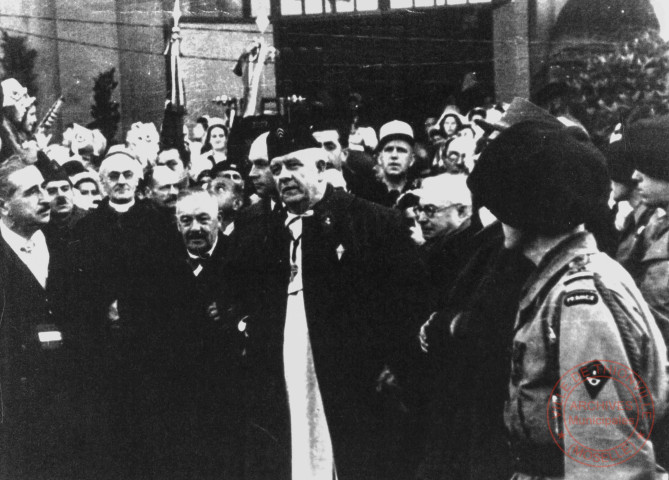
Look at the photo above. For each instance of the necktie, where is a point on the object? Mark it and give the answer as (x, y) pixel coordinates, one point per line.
(294, 224)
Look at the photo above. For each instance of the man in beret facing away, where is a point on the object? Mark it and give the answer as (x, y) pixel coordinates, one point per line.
(577, 308)
(330, 291)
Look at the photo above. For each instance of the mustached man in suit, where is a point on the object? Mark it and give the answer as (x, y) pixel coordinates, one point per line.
(37, 420)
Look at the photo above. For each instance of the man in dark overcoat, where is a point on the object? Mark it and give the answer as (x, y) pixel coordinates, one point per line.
(128, 280)
(339, 304)
(213, 346)
(38, 419)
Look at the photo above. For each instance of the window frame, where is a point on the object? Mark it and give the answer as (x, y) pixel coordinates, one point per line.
(246, 16)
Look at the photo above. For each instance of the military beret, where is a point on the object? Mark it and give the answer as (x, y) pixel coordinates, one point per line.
(648, 139)
(284, 140)
(225, 166)
(541, 177)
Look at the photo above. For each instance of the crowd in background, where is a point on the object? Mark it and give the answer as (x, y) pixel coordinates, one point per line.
(335, 301)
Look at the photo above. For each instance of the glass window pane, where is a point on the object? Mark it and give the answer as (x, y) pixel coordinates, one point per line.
(480, 1)
(313, 6)
(424, 3)
(260, 7)
(365, 5)
(291, 7)
(345, 6)
(456, 2)
(441, 2)
(401, 3)
(212, 8)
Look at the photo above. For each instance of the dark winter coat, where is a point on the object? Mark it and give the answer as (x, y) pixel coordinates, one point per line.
(364, 294)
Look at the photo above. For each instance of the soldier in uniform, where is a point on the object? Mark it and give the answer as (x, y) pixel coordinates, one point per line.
(577, 308)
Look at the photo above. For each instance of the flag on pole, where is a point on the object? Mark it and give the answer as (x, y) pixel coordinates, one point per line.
(171, 134)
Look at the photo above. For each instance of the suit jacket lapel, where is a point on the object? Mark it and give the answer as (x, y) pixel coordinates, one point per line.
(15, 264)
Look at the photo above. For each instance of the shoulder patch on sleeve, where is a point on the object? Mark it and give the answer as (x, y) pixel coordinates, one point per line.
(579, 297)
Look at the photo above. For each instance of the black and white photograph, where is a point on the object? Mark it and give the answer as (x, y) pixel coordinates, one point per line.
(334, 239)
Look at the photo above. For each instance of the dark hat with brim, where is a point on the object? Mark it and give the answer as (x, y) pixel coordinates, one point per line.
(648, 139)
(541, 177)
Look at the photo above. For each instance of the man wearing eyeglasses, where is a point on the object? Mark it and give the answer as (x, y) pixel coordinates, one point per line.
(444, 214)
(445, 205)
(128, 279)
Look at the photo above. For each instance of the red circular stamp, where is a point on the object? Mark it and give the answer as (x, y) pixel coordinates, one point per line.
(600, 413)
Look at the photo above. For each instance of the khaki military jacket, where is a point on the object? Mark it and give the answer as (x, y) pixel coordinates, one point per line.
(652, 273)
(581, 329)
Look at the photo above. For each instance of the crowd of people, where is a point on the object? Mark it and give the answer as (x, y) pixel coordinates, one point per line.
(339, 302)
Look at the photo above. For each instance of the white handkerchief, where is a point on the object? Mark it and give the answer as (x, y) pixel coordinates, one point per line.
(340, 251)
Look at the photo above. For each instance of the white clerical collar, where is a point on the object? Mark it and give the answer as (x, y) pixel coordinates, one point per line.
(208, 254)
(121, 207)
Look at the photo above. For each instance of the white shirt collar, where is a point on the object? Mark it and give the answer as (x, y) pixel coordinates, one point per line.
(18, 242)
(121, 207)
